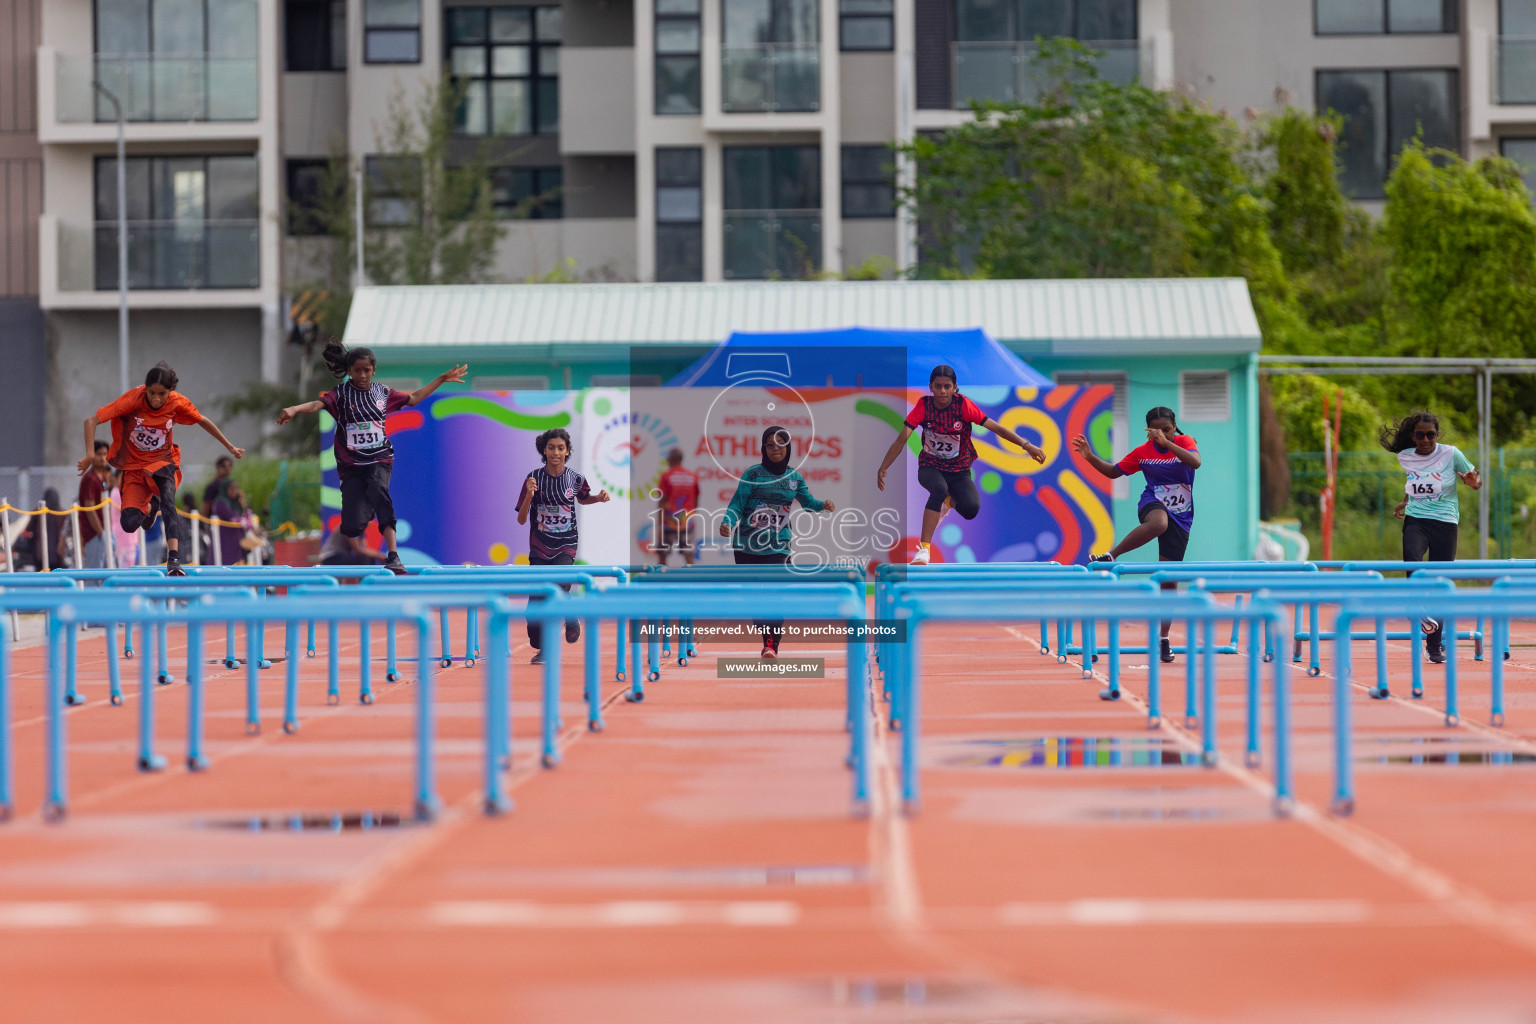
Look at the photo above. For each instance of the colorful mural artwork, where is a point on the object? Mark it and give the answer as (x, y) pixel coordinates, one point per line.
(461, 459)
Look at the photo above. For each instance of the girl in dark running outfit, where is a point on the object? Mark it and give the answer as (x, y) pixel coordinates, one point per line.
(1167, 507)
(550, 496)
(944, 465)
(365, 459)
(1429, 509)
(759, 515)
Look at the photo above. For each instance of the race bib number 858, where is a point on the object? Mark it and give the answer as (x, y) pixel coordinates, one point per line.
(147, 439)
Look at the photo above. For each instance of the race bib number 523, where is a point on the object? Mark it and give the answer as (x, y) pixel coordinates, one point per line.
(944, 446)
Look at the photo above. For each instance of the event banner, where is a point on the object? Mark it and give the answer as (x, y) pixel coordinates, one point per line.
(461, 461)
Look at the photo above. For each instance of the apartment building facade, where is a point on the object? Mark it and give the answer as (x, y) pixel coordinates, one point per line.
(670, 140)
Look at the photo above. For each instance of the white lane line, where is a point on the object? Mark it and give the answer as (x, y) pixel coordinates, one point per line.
(40, 914)
(1131, 912)
(616, 914)
(1461, 901)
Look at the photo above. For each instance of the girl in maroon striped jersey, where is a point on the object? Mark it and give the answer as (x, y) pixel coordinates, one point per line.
(944, 465)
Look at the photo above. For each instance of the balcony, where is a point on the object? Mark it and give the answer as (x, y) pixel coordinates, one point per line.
(157, 88)
(1514, 70)
(771, 78)
(772, 244)
(1006, 72)
(162, 255)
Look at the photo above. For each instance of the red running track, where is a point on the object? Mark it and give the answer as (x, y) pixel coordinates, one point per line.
(696, 861)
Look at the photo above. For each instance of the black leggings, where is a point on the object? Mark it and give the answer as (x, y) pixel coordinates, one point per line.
(1434, 537)
(536, 629)
(165, 481)
(768, 627)
(959, 486)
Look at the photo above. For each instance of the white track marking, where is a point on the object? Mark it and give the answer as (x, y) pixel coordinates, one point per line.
(1129, 912)
(618, 914)
(54, 914)
(1461, 901)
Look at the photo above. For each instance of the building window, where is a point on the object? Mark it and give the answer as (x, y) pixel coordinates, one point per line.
(1382, 112)
(315, 35)
(314, 196)
(995, 43)
(1375, 17)
(1523, 153)
(772, 211)
(528, 193)
(677, 57)
(866, 24)
(1515, 59)
(193, 222)
(869, 186)
(770, 54)
(392, 190)
(507, 61)
(188, 60)
(680, 214)
(392, 31)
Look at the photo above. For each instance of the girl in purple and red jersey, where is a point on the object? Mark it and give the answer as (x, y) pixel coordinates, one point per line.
(365, 459)
(1167, 507)
(550, 496)
(944, 464)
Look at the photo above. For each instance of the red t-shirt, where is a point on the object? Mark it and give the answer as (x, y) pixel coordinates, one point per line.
(141, 436)
(679, 489)
(1170, 483)
(946, 432)
(91, 491)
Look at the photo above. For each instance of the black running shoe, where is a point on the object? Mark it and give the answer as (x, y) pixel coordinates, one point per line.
(173, 565)
(572, 632)
(393, 564)
(1101, 558)
(153, 513)
(1436, 654)
(1165, 651)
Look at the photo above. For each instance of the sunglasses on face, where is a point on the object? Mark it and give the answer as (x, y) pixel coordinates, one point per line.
(1425, 435)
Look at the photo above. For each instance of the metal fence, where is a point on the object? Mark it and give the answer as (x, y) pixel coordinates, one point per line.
(1370, 484)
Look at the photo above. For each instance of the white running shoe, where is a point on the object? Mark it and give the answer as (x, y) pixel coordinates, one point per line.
(921, 558)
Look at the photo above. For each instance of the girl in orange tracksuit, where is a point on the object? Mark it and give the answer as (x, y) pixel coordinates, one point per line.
(142, 421)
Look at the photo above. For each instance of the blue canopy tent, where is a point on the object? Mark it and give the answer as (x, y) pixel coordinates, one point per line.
(858, 357)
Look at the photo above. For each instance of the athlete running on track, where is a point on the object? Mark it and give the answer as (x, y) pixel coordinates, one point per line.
(759, 515)
(1429, 509)
(944, 464)
(550, 496)
(365, 459)
(1166, 510)
(143, 420)
(679, 499)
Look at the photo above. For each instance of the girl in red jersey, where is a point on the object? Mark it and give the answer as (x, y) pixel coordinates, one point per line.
(944, 465)
(1167, 507)
(678, 495)
(142, 447)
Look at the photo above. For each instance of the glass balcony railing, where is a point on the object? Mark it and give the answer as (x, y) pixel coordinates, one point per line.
(767, 244)
(158, 87)
(771, 78)
(1514, 70)
(162, 255)
(1006, 72)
